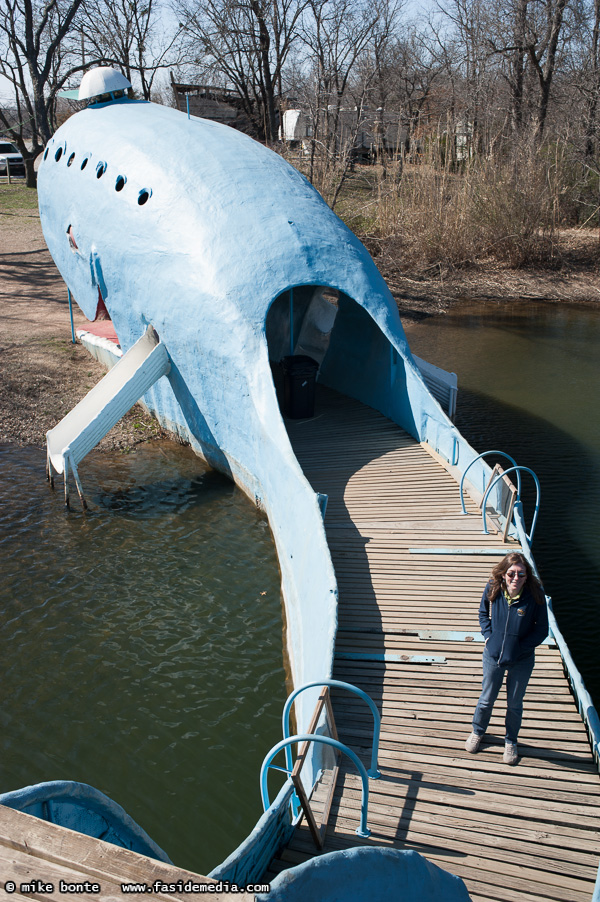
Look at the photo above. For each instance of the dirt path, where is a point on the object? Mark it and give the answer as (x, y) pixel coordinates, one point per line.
(42, 373)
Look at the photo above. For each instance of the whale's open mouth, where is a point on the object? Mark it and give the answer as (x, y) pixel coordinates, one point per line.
(101, 311)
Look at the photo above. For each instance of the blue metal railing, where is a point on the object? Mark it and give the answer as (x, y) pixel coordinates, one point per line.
(337, 684)
(71, 315)
(474, 461)
(362, 829)
(516, 469)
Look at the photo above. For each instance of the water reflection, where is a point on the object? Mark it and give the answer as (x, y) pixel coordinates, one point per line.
(529, 384)
(142, 646)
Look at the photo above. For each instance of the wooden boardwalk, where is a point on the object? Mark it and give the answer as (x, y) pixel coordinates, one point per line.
(514, 834)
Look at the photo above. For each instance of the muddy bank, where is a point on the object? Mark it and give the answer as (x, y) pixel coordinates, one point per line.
(574, 278)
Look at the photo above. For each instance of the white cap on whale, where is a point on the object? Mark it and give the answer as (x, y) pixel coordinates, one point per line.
(102, 80)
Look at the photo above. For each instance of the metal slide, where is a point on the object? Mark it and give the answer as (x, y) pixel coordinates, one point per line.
(95, 415)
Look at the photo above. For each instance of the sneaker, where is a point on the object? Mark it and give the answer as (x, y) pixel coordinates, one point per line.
(473, 742)
(510, 752)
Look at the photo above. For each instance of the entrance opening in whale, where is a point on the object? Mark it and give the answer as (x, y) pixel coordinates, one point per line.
(353, 355)
(298, 330)
(300, 321)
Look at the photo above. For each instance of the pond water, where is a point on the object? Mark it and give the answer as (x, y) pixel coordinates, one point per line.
(529, 385)
(142, 642)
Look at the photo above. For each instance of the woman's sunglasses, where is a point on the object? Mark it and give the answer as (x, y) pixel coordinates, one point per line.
(516, 574)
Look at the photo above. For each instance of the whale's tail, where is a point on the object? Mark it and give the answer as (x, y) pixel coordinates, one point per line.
(95, 415)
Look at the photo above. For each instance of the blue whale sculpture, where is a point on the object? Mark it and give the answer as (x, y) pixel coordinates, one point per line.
(228, 252)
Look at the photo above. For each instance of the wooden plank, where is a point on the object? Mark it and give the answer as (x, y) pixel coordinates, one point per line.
(32, 850)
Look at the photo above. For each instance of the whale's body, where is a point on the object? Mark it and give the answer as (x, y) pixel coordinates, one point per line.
(199, 231)
(235, 261)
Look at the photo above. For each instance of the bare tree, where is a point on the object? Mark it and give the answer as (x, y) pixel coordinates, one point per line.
(131, 36)
(412, 73)
(375, 67)
(36, 58)
(589, 81)
(245, 44)
(542, 45)
(470, 71)
(336, 34)
(527, 36)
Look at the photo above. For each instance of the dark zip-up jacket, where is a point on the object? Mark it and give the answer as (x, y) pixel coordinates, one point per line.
(514, 631)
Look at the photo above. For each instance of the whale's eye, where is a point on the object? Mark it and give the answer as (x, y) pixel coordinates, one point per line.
(143, 196)
(120, 183)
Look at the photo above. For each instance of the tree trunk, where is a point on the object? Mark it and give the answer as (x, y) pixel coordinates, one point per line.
(518, 66)
(591, 125)
(545, 73)
(267, 77)
(30, 173)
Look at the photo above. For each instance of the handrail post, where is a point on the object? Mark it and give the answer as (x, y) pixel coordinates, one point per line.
(71, 315)
(363, 829)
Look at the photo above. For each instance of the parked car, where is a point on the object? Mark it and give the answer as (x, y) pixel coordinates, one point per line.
(10, 156)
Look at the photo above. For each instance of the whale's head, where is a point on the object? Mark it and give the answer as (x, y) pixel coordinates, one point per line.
(151, 214)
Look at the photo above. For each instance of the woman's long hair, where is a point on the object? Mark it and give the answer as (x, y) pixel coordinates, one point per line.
(496, 583)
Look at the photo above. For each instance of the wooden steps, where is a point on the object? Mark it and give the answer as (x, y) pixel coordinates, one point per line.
(514, 834)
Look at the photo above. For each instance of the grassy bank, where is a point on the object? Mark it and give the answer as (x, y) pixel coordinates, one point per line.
(17, 198)
(508, 227)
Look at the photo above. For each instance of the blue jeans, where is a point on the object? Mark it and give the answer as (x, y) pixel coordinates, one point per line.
(517, 678)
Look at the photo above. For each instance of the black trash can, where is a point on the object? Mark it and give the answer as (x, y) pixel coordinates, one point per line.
(299, 379)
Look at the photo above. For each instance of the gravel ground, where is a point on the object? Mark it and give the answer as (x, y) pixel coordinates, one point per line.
(42, 373)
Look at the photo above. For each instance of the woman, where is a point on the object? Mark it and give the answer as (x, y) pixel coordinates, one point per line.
(514, 620)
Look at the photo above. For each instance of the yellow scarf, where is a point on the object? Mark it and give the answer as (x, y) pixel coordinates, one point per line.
(512, 600)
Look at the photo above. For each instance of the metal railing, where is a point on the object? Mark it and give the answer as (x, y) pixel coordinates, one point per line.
(503, 474)
(474, 461)
(300, 800)
(336, 684)
(362, 829)
(516, 469)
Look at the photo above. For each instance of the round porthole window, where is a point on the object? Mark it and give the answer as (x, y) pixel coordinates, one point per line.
(100, 170)
(144, 196)
(58, 154)
(70, 160)
(120, 183)
(84, 162)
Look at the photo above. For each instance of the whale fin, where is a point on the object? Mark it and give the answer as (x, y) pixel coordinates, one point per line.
(95, 415)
